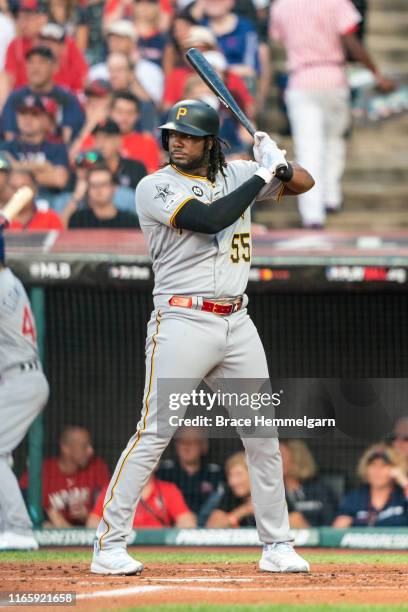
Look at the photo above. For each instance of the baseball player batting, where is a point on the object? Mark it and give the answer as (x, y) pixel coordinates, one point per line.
(196, 217)
(23, 394)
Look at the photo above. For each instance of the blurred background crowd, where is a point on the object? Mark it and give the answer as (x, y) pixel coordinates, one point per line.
(85, 83)
(189, 490)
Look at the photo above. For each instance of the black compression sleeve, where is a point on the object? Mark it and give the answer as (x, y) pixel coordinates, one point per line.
(198, 217)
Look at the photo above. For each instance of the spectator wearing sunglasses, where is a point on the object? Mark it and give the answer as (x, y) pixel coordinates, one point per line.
(382, 501)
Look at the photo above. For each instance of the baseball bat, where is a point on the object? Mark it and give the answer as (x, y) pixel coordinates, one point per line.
(15, 204)
(217, 85)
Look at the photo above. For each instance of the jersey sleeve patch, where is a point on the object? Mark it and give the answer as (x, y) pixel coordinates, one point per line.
(159, 200)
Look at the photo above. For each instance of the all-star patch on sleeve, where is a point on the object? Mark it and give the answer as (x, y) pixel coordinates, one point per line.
(159, 198)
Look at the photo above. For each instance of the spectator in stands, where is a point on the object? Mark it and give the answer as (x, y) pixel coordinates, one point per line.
(238, 139)
(400, 438)
(173, 53)
(256, 11)
(66, 109)
(72, 69)
(89, 31)
(63, 12)
(314, 34)
(237, 38)
(36, 215)
(77, 199)
(66, 55)
(235, 507)
(5, 192)
(98, 100)
(198, 480)
(161, 505)
(143, 77)
(8, 33)
(383, 500)
(126, 172)
(101, 211)
(30, 150)
(72, 481)
(202, 39)
(140, 146)
(307, 494)
(31, 18)
(151, 40)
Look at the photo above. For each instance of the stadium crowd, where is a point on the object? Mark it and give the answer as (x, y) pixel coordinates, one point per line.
(84, 84)
(189, 490)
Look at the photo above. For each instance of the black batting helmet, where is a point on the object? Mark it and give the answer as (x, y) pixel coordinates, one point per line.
(191, 117)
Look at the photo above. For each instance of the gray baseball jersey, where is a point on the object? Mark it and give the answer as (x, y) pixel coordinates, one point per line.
(23, 394)
(189, 263)
(193, 345)
(18, 342)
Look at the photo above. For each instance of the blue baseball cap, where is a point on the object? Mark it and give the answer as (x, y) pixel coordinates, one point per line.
(1, 248)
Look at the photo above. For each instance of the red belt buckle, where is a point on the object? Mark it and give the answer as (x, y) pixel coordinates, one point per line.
(182, 302)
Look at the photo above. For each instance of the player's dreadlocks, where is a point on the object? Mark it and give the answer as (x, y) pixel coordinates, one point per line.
(214, 157)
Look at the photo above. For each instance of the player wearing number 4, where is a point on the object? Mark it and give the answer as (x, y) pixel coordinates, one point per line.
(195, 215)
(23, 394)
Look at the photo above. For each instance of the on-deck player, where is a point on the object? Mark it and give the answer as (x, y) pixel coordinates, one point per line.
(195, 215)
(23, 394)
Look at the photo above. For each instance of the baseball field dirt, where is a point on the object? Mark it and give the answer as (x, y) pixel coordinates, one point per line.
(203, 580)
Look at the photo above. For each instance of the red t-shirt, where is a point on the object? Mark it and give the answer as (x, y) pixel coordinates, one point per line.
(112, 5)
(42, 220)
(161, 509)
(71, 72)
(61, 490)
(137, 145)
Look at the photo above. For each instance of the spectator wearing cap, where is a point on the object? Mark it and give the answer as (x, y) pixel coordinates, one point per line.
(5, 191)
(136, 145)
(143, 77)
(383, 500)
(30, 150)
(97, 103)
(126, 172)
(60, 102)
(72, 69)
(36, 214)
(101, 212)
(30, 19)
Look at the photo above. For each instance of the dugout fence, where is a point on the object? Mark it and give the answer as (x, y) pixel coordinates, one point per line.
(331, 309)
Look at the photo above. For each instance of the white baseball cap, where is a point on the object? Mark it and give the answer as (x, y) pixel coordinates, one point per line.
(216, 59)
(200, 34)
(122, 27)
